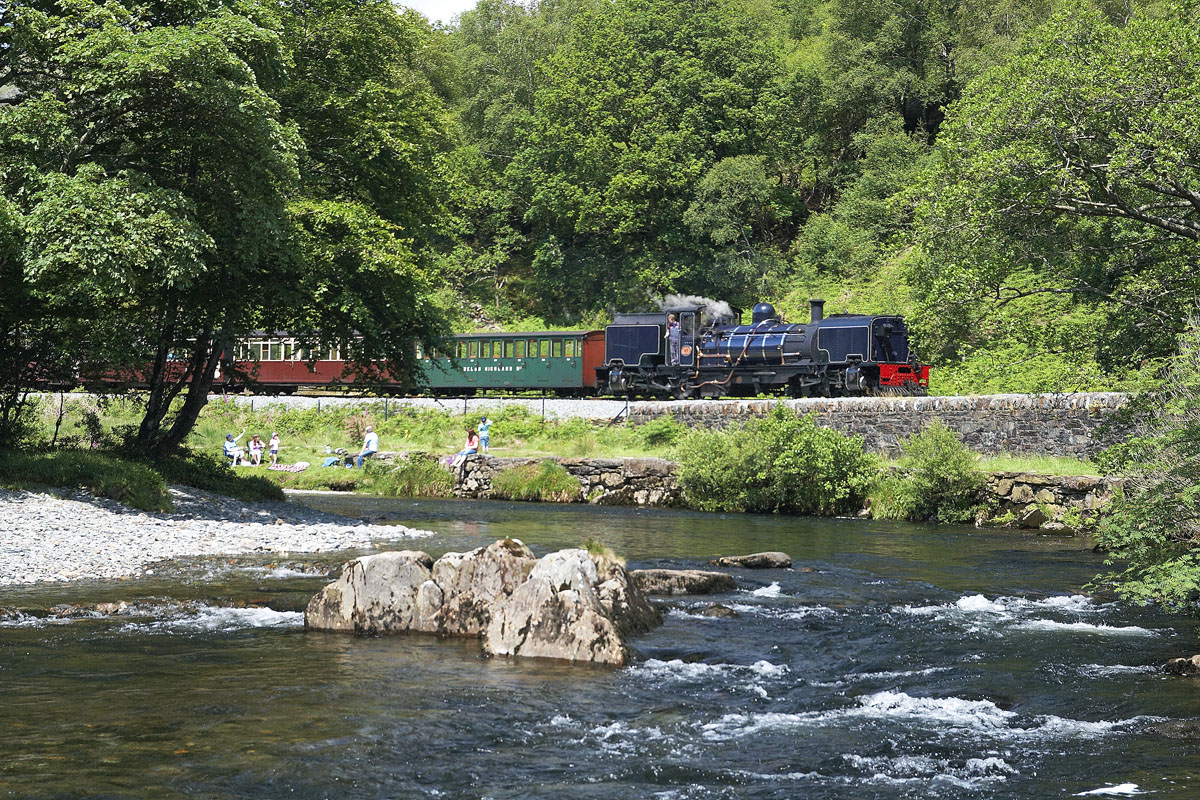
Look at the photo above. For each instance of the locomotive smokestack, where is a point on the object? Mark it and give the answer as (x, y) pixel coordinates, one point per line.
(818, 309)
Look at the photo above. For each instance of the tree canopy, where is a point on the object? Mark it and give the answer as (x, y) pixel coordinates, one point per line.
(174, 179)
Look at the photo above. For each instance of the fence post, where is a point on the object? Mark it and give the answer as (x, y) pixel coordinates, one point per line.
(543, 408)
(251, 405)
(464, 405)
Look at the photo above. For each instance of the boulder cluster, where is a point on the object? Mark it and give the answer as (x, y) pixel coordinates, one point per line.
(571, 605)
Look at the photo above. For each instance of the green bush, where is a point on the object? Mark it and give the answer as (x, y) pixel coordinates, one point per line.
(411, 477)
(127, 482)
(212, 474)
(937, 478)
(547, 481)
(782, 463)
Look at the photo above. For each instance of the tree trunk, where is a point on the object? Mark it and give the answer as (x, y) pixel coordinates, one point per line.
(193, 403)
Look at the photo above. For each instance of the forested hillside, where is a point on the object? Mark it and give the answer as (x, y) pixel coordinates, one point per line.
(1019, 177)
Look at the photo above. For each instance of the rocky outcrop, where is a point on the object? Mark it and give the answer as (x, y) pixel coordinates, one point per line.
(1046, 502)
(1184, 666)
(682, 581)
(719, 611)
(602, 481)
(568, 609)
(568, 605)
(769, 560)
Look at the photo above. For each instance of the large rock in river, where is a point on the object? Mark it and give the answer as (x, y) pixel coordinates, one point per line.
(769, 560)
(569, 605)
(568, 608)
(682, 581)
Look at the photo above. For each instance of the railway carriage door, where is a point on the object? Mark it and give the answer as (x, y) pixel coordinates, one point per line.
(687, 339)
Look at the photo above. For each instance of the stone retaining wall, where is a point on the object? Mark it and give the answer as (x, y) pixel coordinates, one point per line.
(1047, 424)
(1011, 499)
(1045, 502)
(602, 481)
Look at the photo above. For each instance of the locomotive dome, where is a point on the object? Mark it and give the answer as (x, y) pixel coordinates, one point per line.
(762, 312)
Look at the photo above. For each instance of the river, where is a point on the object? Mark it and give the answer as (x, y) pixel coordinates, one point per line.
(895, 661)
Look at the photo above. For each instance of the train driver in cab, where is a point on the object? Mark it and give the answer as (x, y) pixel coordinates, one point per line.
(672, 335)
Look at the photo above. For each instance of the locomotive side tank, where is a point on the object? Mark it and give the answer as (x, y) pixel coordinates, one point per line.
(844, 354)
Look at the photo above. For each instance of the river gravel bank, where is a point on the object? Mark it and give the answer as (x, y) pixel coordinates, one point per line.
(74, 536)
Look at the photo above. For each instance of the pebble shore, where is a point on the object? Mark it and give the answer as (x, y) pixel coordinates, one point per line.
(47, 538)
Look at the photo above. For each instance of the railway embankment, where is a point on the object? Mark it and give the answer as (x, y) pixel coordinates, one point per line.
(1008, 499)
(1041, 424)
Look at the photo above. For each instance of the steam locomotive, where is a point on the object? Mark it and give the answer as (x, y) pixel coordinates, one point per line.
(711, 354)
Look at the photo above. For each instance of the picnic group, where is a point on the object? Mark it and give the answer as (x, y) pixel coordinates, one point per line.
(252, 454)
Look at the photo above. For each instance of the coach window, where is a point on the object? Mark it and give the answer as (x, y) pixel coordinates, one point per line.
(544, 348)
(532, 348)
(510, 349)
(485, 349)
(569, 346)
(496, 348)
(473, 350)
(556, 348)
(520, 348)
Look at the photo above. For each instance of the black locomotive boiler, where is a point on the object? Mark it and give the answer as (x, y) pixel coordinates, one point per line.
(715, 355)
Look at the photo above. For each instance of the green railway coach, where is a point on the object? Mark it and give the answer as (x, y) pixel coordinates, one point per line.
(560, 361)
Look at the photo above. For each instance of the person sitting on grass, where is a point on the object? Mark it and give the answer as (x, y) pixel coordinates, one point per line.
(232, 451)
(469, 449)
(370, 447)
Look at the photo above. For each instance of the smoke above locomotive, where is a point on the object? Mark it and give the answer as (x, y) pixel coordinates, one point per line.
(698, 347)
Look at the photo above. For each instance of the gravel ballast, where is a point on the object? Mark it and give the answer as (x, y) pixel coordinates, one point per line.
(48, 538)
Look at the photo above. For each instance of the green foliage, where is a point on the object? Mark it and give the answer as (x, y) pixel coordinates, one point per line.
(133, 484)
(937, 478)
(781, 463)
(1061, 215)
(210, 472)
(176, 175)
(663, 431)
(1153, 526)
(547, 481)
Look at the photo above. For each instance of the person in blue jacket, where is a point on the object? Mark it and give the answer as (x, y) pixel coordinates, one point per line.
(485, 425)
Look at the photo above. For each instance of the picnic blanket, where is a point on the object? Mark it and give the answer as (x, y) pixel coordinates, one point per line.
(299, 466)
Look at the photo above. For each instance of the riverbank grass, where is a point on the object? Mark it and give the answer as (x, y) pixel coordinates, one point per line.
(132, 483)
(547, 481)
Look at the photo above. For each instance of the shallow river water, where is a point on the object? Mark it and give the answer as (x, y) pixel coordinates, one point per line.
(912, 661)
